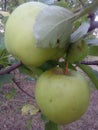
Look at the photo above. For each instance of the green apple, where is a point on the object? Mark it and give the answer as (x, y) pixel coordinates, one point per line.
(62, 98)
(19, 36)
(77, 51)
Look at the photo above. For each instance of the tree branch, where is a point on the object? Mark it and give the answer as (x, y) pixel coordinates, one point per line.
(10, 68)
(19, 86)
(89, 62)
(15, 66)
(86, 10)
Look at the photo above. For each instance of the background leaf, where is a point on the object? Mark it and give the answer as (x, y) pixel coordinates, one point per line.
(53, 30)
(29, 123)
(10, 94)
(44, 118)
(51, 126)
(80, 32)
(3, 51)
(96, 73)
(2, 45)
(29, 109)
(32, 72)
(5, 79)
(88, 70)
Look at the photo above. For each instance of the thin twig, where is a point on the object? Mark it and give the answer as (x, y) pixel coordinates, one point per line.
(18, 85)
(66, 67)
(10, 68)
(82, 3)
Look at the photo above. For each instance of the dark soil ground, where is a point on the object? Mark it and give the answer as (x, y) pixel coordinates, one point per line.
(12, 119)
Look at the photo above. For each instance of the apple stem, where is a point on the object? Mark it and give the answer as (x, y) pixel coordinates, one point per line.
(66, 67)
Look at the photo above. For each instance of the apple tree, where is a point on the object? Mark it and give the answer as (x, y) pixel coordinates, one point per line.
(50, 41)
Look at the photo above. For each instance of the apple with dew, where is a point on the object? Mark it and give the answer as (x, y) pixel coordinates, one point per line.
(62, 98)
(19, 36)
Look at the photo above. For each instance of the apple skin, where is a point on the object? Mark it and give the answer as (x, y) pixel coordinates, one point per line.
(77, 51)
(19, 36)
(62, 98)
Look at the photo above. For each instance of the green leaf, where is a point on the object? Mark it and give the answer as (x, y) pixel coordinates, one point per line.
(48, 65)
(80, 32)
(51, 126)
(2, 45)
(5, 79)
(4, 20)
(3, 51)
(33, 72)
(77, 24)
(10, 94)
(96, 73)
(25, 70)
(53, 27)
(88, 70)
(44, 118)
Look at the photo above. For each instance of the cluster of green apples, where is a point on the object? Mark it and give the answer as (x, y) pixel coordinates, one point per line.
(20, 40)
(63, 98)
